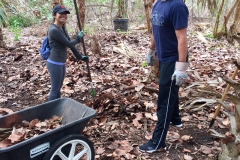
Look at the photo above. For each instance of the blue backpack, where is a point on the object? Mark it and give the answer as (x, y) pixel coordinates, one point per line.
(45, 49)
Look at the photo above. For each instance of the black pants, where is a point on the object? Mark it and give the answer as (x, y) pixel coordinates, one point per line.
(168, 100)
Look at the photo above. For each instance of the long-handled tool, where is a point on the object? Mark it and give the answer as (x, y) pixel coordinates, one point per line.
(223, 98)
(84, 49)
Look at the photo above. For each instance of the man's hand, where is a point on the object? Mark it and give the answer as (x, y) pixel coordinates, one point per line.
(150, 57)
(81, 34)
(180, 73)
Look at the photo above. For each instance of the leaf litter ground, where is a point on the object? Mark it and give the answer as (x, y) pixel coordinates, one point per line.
(125, 101)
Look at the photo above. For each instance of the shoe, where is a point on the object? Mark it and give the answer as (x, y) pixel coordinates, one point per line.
(150, 147)
(177, 125)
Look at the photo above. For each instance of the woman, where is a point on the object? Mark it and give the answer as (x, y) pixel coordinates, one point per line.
(59, 41)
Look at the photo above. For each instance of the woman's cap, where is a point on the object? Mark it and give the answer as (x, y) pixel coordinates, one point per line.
(60, 9)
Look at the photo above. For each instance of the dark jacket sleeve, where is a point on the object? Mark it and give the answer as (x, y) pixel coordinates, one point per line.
(59, 36)
(76, 53)
(74, 49)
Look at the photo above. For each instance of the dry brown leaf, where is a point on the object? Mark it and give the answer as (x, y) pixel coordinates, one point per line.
(128, 156)
(5, 143)
(205, 149)
(148, 137)
(186, 118)
(150, 116)
(149, 105)
(185, 137)
(41, 124)
(17, 134)
(226, 122)
(173, 136)
(136, 123)
(33, 123)
(186, 150)
(187, 157)
(114, 145)
(114, 126)
(139, 87)
(5, 111)
(119, 152)
(100, 150)
(138, 116)
(3, 99)
(68, 90)
(56, 118)
(103, 120)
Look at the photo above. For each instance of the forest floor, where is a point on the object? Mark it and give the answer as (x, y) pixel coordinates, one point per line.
(126, 107)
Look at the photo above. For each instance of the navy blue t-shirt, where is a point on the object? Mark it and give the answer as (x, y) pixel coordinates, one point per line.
(167, 17)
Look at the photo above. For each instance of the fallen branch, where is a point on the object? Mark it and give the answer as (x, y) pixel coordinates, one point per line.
(216, 134)
(4, 133)
(201, 100)
(237, 64)
(147, 88)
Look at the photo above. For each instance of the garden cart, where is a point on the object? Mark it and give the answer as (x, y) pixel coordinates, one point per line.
(63, 143)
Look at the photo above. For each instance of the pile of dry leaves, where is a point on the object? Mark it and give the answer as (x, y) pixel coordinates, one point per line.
(27, 130)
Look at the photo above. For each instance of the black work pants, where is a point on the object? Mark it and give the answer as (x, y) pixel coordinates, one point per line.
(168, 101)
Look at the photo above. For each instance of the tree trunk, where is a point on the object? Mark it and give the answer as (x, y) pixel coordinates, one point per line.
(122, 9)
(215, 30)
(232, 33)
(2, 43)
(57, 2)
(148, 4)
(81, 11)
(224, 30)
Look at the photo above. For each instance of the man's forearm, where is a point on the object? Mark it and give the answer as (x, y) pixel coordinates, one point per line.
(182, 49)
(182, 44)
(152, 43)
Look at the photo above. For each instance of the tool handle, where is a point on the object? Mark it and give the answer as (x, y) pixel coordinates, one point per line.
(224, 94)
(83, 44)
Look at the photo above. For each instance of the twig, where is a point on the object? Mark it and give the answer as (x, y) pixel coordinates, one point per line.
(3, 87)
(147, 88)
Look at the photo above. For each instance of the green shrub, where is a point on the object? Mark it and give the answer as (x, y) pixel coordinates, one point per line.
(20, 21)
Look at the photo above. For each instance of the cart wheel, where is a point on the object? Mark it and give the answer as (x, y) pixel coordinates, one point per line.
(72, 147)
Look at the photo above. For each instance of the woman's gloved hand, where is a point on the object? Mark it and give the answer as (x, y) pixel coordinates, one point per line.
(85, 58)
(81, 34)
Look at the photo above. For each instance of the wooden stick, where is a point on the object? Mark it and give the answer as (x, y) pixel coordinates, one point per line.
(222, 99)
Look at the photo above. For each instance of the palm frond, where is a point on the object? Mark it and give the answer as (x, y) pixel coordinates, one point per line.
(3, 18)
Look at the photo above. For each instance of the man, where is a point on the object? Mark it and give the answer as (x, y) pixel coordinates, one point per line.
(169, 39)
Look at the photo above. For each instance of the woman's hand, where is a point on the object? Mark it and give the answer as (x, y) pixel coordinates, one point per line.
(81, 34)
(85, 58)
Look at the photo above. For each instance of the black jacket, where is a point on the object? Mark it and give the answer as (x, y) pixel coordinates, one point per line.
(59, 41)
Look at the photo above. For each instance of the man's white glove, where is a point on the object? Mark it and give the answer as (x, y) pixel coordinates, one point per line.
(150, 57)
(180, 73)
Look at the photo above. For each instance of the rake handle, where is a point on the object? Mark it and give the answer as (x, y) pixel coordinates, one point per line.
(223, 98)
(83, 44)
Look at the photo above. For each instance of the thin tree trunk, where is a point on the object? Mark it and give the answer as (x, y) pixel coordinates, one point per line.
(2, 43)
(226, 19)
(57, 2)
(215, 30)
(82, 9)
(148, 9)
(122, 9)
(236, 26)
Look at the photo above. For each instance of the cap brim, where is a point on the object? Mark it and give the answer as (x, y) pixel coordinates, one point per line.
(63, 10)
